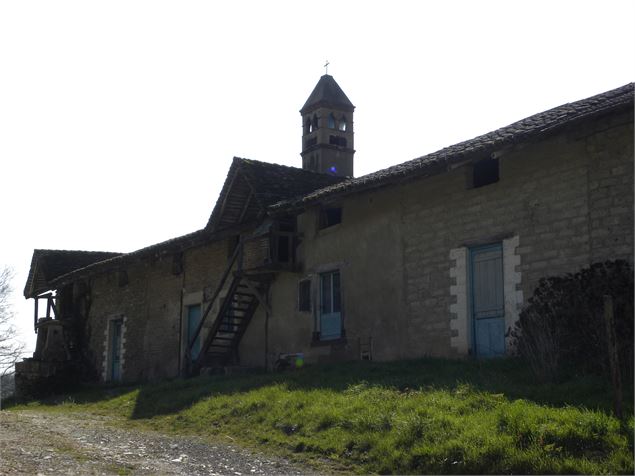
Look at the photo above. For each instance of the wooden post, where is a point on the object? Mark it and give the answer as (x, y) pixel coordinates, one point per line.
(614, 364)
(35, 317)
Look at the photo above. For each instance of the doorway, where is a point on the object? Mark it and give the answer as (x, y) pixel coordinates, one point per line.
(330, 306)
(487, 300)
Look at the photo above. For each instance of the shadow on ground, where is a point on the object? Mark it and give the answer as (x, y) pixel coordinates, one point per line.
(509, 377)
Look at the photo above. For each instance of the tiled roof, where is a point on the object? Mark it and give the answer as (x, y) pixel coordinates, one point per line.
(269, 183)
(273, 182)
(47, 265)
(524, 130)
(173, 245)
(329, 94)
(279, 188)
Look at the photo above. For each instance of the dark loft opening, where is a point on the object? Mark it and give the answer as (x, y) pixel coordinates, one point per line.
(485, 172)
(283, 249)
(330, 216)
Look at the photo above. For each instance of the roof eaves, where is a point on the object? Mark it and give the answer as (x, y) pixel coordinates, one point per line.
(173, 245)
(525, 130)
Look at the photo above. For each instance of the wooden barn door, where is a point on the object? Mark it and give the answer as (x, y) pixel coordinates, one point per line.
(487, 300)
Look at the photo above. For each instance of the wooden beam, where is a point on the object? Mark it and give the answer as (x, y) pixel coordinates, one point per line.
(246, 207)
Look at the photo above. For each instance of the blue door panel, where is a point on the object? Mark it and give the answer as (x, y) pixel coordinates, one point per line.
(487, 299)
(490, 337)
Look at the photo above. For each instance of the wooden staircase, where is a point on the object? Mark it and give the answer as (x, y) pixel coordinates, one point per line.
(242, 297)
(235, 313)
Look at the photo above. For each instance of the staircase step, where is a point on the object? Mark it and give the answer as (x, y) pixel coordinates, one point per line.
(221, 346)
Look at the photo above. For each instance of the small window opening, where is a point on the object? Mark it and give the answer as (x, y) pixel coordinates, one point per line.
(331, 121)
(330, 216)
(307, 126)
(485, 172)
(337, 140)
(314, 123)
(304, 295)
(342, 125)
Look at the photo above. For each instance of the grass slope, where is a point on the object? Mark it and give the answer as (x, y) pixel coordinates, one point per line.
(425, 416)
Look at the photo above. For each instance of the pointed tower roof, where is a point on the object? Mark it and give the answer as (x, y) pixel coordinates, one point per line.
(327, 93)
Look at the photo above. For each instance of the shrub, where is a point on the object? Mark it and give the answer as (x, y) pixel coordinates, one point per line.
(562, 328)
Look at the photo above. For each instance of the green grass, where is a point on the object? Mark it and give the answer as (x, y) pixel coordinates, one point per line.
(426, 416)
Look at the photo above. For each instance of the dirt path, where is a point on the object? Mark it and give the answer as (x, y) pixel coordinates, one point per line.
(47, 444)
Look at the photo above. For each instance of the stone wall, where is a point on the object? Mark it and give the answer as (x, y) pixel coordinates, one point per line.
(151, 306)
(560, 204)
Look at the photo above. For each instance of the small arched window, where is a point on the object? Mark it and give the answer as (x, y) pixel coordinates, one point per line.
(331, 121)
(314, 123)
(307, 126)
(342, 126)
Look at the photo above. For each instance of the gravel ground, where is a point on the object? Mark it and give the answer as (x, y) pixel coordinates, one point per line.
(43, 443)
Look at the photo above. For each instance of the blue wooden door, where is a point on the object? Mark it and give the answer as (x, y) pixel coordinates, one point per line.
(193, 320)
(330, 306)
(115, 350)
(487, 300)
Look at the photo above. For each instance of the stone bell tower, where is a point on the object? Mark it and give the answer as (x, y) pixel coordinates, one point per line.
(327, 130)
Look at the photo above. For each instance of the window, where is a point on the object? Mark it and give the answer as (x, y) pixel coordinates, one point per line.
(485, 172)
(307, 126)
(304, 295)
(314, 123)
(330, 216)
(342, 126)
(337, 140)
(331, 121)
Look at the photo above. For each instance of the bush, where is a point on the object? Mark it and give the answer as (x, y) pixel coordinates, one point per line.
(562, 329)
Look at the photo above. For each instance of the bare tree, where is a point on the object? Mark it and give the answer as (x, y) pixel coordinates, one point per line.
(11, 349)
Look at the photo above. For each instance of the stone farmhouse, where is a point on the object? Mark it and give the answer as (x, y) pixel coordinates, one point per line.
(431, 257)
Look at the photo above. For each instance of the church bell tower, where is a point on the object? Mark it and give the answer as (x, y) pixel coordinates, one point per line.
(327, 130)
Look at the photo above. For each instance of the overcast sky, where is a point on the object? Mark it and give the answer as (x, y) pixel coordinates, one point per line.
(119, 119)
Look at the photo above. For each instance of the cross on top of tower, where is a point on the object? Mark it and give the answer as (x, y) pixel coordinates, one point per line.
(326, 67)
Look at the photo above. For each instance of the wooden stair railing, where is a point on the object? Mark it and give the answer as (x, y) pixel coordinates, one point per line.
(236, 258)
(221, 344)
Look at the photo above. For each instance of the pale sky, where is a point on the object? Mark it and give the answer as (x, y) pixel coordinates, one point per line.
(119, 119)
